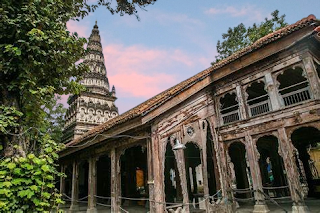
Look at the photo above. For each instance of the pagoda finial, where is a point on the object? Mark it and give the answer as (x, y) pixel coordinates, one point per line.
(113, 91)
(96, 22)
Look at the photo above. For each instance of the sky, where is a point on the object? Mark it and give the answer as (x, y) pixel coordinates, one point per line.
(174, 40)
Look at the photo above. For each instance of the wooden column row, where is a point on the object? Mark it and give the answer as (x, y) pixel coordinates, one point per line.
(115, 183)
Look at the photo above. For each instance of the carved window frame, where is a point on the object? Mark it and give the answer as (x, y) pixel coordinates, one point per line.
(276, 74)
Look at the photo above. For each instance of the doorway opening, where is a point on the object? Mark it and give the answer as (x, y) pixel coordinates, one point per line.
(212, 168)
(194, 174)
(83, 181)
(134, 190)
(306, 140)
(104, 180)
(172, 183)
(274, 180)
(242, 177)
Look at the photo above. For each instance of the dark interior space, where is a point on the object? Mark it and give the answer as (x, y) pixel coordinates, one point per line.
(272, 167)
(213, 175)
(194, 172)
(237, 153)
(68, 180)
(83, 180)
(172, 183)
(104, 179)
(257, 98)
(293, 86)
(304, 139)
(256, 92)
(228, 103)
(134, 176)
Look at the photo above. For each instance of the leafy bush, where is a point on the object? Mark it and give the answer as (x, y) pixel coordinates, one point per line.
(27, 184)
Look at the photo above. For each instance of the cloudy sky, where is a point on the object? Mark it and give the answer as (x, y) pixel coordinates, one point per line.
(174, 40)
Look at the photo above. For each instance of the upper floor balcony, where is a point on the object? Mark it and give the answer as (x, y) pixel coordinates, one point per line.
(274, 91)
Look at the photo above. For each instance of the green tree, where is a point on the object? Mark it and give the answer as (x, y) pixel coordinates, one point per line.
(239, 37)
(37, 60)
(55, 118)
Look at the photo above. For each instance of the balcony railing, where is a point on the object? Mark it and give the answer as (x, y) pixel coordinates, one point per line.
(296, 96)
(231, 116)
(259, 108)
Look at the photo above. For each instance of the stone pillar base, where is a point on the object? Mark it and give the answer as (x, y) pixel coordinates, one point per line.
(73, 208)
(260, 208)
(300, 209)
(92, 210)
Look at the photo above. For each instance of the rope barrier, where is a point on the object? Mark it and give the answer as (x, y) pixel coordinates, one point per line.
(206, 197)
(241, 190)
(272, 200)
(101, 197)
(105, 205)
(282, 198)
(123, 209)
(244, 199)
(136, 199)
(275, 187)
(80, 199)
(66, 196)
(244, 192)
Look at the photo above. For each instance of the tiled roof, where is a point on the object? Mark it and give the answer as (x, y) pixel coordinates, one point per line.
(159, 99)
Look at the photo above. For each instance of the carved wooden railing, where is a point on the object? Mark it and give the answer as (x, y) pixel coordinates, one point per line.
(296, 96)
(231, 117)
(259, 108)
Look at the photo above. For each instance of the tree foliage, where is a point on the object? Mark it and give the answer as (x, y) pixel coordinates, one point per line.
(119, 6)
(27, 184)
(240, 36)
(38, 61)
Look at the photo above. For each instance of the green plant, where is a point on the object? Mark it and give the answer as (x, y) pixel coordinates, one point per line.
(27, 184)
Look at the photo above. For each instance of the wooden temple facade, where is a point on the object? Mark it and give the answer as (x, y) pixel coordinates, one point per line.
(240, 131)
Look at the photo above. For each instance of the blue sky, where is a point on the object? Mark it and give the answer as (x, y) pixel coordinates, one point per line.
(173, 40)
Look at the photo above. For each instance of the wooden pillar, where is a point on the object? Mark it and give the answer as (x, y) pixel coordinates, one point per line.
(62, 180)
(292, 172)
(74, 207)
(225, 180)
(115, 191)
(312, 76)
(92, 185)
(241, 102)
(157, 171)
(204, 162)
(272, 92)
(150, 176)
(252, 154)
(180, 159)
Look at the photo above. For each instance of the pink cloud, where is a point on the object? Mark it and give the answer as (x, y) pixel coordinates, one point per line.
(139, 71)
(141, 85)
(81, 29)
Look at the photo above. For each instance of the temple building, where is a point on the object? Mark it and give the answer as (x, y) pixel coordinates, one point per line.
(243, 134)
(95, 105)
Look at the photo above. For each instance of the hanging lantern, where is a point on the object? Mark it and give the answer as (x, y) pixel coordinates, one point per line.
(178, 145)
